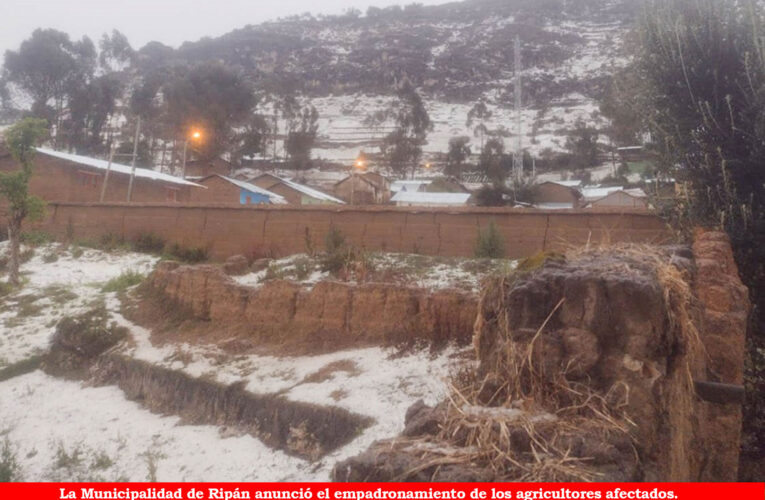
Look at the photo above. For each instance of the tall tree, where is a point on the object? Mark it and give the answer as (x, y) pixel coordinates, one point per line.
(47, 67)
(704, 66)
(478, 115)
(494, 163)
(301, 137)
(459, 152)
(582, 146)
(403, 146)
(21, 140)
(212, 97)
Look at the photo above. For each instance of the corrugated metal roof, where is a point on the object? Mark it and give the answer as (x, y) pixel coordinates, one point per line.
(275, 198)
(591, 194)
(431, 198)
(313, 193)
(410, 186)
(143, 173)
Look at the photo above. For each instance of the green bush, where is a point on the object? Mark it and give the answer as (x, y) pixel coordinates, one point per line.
(77, 252)
(50, 257)
(338, 253)
(149, 243)
(191, 255)
(490, 244)
(111, 241)
(10, 470)
(123, 282)
(35, 238)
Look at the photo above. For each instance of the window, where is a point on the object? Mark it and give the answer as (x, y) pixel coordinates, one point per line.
(171, 194)
(88, 179)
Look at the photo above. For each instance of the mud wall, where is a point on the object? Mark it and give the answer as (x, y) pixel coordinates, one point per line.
(725, 309)
(300, 429)
(277, 231)
(328, 316)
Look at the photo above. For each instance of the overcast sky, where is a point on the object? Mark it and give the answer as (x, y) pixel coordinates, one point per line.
(168, 21)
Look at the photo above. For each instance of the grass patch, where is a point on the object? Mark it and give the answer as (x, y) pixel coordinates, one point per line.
(35, 238)
(10, 470)
(191, 255)
(58, 294)
(122, 282)
(20, 368)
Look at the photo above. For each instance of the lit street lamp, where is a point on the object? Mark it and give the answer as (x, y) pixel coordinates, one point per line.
(359, 165)
(195, 135)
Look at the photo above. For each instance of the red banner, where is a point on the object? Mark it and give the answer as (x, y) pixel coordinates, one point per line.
(383, 491)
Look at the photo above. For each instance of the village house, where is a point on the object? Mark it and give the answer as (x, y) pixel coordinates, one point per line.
(558, 195)
(222, 189)
(59, 176)
(622, 198)
(294, 193)
(369, 188)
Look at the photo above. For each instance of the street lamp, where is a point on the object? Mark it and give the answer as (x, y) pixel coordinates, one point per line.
(195, 135)
(359, 165)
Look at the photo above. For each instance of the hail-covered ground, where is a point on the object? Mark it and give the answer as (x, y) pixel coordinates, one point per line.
(55, 429)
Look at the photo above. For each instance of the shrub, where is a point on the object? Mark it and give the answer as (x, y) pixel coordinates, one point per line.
(77, 252)
(338, 253)
(123, 282)
(50, 258)
(111, 241)
(35, 238)
(9, 466)
(149, 243)
(191, 255)
(490, 244)
(303, 268)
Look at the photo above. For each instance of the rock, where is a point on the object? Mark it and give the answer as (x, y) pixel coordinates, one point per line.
(236, 265)
(260, 265)
(422, 419)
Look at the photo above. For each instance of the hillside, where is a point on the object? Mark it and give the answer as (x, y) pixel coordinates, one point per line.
(455, 53)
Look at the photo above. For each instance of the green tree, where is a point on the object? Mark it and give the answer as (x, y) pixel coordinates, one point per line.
(478, 115)
(209, 96)
(494, 163)
(582, 146)
(704, 66)
(302, 137)
(459, 152)
(47, 67)
(21, 140)
(402, 148)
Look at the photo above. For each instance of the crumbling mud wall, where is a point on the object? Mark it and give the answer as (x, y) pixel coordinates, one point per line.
(589, 369)
(301, 429)
(329, 316)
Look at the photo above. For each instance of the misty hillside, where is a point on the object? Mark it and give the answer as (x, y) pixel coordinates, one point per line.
(456, 51)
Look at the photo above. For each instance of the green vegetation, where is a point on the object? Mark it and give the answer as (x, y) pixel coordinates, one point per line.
(20, 368)
(149, 243)
(20, 205)
(192, 255)
(490, 244)
(35, 238)
(10, 470)
(122, 282)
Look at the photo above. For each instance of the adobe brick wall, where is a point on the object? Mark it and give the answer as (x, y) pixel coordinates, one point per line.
(228, 230)
(725, 309)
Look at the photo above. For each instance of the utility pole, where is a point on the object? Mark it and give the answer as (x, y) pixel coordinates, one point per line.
(108, 170)
(518, 154)
(132, 162)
